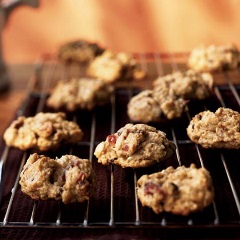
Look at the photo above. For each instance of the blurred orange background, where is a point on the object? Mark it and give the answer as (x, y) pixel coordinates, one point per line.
(123, 25)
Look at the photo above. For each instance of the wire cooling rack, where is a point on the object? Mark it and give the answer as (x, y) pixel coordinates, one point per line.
(114, 204)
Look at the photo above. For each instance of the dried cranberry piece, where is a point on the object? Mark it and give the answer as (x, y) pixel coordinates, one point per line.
(81, 179)
(151, 188)
(112, 138)
(125, 148)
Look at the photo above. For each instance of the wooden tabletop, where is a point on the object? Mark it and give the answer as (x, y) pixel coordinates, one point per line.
(12, 98)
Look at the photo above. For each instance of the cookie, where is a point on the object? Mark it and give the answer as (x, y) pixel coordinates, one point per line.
(135, 146)
(111, 67)
(179, 191)
(43, 132)
(171, 106)
(36, 178)
(79, 51)
(214, 58)
(82, 93)
(188, 84)
(218, 129)
(144, 108)
(154, 106)
(169, 96)
(69, 178)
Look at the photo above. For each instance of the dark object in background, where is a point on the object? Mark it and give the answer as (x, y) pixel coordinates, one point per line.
(6, 8)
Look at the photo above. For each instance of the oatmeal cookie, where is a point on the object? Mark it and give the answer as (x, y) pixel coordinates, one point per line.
(111, 67)
(79, 51)
(82, 93)
(144, 108)
(172, 107)
(36, 178)
(216, 130)
(135, 146)
(69, 178)
(169, 96)
(155, 105)
(180, 191)
(43, 131)
(214, 58)
(77, 178)
(188, 84)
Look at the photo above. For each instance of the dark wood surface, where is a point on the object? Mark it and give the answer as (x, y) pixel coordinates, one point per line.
(11, 98)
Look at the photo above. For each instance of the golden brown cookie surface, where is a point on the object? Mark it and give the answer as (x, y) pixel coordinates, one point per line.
(188, 84)
(180, 191)
(218, 129)
(68, 178)
(81, 93)
(135, 146)
(214, 58)
(44, 131)
(111, 67)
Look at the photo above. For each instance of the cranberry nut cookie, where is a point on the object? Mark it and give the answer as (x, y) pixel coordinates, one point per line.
(69, 178)
(110, 67)
(144, 107)
(180, 191)
(169, 96)
(153, 106)
(218, 129)
(43, 132)
(214, 58)
(187, 84)
(134, 146)
(82, 93)
(79, 51)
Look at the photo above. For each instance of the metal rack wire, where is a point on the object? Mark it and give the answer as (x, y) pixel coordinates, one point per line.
(115, 202)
